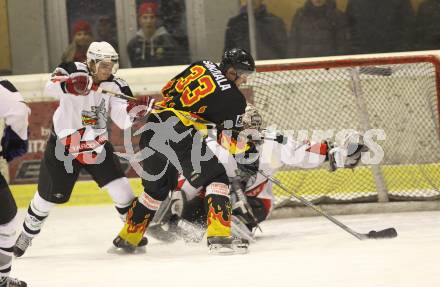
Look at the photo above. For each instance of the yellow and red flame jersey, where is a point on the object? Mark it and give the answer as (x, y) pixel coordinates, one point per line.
(203, 91)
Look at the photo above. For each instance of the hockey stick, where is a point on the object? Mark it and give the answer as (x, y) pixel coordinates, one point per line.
(117, 95)
(381, 234)
(100, 90)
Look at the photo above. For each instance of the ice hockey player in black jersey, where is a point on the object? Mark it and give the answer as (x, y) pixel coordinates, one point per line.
(175, 141)
(182, 214)
(14, 144)
(79, 138)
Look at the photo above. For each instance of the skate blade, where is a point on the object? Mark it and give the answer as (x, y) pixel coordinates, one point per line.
(125, 251)
(220, 249)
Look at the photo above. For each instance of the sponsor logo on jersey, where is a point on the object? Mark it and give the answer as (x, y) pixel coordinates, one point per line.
(96, 118)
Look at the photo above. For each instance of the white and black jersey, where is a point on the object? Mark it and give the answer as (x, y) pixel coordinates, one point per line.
(13, 109)
(15, 113)
(87, 115)
(80, 125)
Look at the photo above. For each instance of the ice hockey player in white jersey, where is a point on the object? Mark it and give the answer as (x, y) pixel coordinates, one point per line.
(79, 138)
(183, 214)
(14, 144)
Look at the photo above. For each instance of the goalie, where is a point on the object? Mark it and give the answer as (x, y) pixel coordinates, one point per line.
(183, 214)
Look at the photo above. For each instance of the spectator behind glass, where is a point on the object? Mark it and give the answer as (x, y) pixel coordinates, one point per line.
(271, 35)
(173, 16)
(318, 29)
(378, 26)
(428, 25)
(105, 31)
(151, 46)
(81, 39)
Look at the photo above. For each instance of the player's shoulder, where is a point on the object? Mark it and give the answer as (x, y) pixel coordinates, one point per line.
(118, 81)
(6, 84)
(210, 66)
(71, 67)
(114, 83)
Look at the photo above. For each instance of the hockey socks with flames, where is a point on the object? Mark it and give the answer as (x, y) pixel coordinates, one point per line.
(139, 216)
(218, 207)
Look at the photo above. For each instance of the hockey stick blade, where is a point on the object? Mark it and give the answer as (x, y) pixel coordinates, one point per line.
(382, 234)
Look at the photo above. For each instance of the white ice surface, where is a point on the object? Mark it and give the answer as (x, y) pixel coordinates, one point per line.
(71, 252)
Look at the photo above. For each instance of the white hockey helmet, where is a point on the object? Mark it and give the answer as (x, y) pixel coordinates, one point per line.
(102, 51)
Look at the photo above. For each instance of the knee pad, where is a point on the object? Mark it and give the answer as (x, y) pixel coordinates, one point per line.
(7, 233)
(120, 191)
(41, 206)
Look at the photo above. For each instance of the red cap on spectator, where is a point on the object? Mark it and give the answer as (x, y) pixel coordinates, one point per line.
(81, 25)
(148, 7)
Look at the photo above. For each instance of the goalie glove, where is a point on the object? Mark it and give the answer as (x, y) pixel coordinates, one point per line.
(347, 155)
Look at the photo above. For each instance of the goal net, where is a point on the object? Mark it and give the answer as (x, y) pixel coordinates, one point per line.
(398, 94)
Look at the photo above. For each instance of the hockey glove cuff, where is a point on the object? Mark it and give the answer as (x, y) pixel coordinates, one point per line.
(12, 145)
(141, 107)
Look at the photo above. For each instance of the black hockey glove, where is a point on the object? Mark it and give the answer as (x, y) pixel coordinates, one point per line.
(12, 145)
(249, 164)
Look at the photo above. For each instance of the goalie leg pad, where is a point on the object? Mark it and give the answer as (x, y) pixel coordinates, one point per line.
(240, 230)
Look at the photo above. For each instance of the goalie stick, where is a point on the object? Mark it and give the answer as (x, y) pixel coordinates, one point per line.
(381, 234)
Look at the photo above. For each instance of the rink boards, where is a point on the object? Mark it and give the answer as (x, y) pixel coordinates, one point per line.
(316, 185)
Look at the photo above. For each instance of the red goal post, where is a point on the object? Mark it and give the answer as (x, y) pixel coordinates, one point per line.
(398, 93)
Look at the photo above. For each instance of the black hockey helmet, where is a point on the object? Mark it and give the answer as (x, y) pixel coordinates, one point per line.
(238, 58)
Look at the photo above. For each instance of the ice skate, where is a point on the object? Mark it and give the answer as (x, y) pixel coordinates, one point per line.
(11, 282)
(120, 246)
(22, 243)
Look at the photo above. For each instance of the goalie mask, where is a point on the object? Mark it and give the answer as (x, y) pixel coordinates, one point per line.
(102, 52)
(252, 118)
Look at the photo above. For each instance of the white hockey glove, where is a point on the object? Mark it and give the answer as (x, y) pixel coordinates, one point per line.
(348, 154)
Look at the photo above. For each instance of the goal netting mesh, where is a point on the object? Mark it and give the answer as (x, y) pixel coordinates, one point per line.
(399, 95)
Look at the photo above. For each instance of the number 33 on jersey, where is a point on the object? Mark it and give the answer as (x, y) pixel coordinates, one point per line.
(204, 91)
